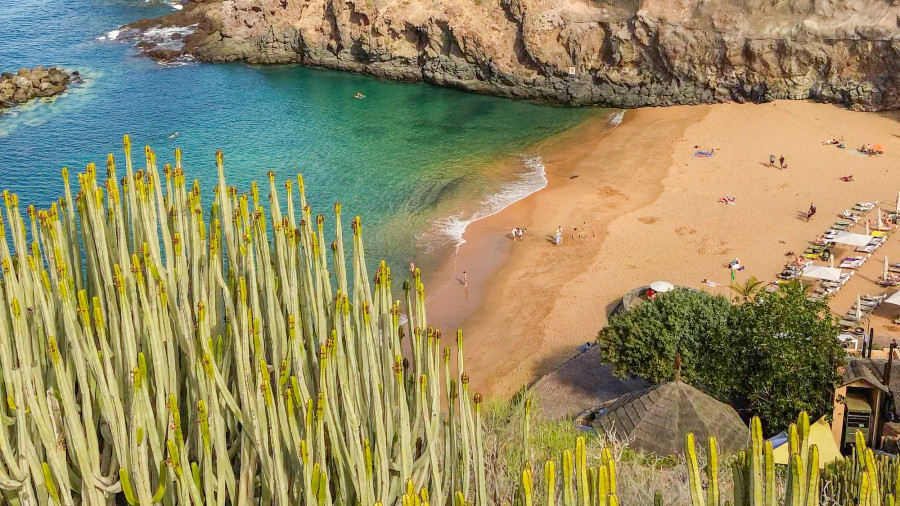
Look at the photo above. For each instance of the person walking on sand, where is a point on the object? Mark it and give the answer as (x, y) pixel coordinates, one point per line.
(465, 279)
(557, 239)
(772, 159)
(811, 212)
(781, 161)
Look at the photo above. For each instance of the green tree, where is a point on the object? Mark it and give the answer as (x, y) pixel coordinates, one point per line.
(774, 355)
(695, 325)
(746, 290)
(791, 355)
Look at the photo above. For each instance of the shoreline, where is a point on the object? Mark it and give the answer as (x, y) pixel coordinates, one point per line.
(577, 172)
(647, 210)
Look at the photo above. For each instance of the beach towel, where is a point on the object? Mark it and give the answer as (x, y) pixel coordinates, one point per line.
(703, 154)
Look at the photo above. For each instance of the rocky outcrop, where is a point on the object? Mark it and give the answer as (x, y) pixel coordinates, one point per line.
(28, 84)
(623, 53)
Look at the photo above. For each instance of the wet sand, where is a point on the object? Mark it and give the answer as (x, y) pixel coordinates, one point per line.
(645, 209)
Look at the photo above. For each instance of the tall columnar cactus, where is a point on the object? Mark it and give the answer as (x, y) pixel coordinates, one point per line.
(154, 350)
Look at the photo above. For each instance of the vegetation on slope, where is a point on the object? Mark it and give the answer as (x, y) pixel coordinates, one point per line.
(772, 355)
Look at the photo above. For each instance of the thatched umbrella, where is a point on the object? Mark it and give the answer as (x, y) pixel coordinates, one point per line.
(656, 419)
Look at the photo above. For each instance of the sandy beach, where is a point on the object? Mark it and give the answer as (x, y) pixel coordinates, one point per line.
(636, 206)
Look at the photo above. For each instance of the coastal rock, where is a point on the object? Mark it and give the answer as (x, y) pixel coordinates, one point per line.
(27, 84)
(623, 53)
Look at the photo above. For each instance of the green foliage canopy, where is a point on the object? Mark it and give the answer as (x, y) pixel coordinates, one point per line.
(773, 356)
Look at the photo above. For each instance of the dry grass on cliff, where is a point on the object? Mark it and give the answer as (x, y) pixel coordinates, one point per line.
(640, 475)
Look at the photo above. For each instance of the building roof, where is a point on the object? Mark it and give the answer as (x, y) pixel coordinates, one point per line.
(657, 418)
(581, 383)
(871, 371)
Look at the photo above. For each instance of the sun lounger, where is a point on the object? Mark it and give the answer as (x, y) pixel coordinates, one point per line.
(855, 263)
(868, 206)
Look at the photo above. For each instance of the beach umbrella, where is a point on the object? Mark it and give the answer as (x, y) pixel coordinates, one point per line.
(858, 308)
(867, 228)
(852, 239)
(894, 299)
(661, 286)
(880, 223)
(885, 275)
(822, 272)
(831, 261)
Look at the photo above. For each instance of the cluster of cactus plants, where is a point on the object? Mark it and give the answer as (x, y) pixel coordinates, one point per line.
(861, 479)
(159, 352)
(155, 352)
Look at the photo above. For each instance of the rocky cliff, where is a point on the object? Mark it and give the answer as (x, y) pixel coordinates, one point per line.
(623, 53)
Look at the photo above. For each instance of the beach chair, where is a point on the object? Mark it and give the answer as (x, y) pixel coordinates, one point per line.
(839, 226)
(852, 263)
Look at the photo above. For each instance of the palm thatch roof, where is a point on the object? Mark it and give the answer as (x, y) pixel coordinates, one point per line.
(656, 419)
(581, 383)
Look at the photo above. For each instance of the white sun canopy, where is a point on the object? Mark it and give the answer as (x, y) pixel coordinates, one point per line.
(661, 286)
(822, 272)
(894, 299)
(852, 239)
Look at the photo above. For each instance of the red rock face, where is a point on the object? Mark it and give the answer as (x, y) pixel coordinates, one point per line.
(624, 53)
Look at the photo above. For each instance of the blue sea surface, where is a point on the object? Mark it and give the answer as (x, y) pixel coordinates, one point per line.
(418, 162)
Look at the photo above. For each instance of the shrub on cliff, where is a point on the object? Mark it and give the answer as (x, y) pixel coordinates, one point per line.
(774, 355)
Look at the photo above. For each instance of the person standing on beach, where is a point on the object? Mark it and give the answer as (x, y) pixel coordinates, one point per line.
(772, 159)
(781, 161)
(465, 279)
(515, 233)
(558, 237)
(811, 212)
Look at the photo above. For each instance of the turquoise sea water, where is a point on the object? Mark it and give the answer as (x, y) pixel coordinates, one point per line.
(417, 161)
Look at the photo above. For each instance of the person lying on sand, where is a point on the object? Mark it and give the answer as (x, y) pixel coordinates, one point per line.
(709, 283)
(727, 200)
(847, 178)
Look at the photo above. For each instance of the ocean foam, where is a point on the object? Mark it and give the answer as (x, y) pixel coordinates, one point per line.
(110, 35)
(615, 118)
(450, 230)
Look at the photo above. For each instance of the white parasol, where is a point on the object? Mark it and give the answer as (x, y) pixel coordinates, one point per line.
(661, 286)
(822, 272)
(852, 239)
(894, 299)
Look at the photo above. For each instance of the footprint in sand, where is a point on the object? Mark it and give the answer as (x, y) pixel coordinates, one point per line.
(685, 231)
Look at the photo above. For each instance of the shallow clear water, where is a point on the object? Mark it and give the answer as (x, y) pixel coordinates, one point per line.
(415, 160)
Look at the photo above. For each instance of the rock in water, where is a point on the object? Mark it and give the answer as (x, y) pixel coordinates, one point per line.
(625, 53)
(27, 84)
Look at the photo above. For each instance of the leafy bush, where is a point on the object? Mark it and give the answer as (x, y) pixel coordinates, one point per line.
(773, 355)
